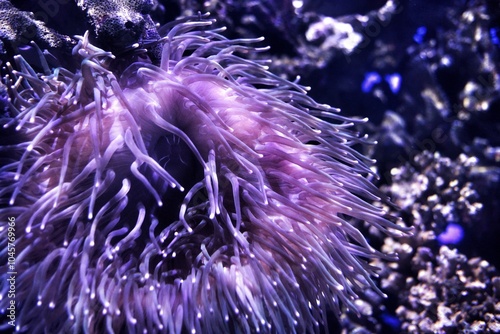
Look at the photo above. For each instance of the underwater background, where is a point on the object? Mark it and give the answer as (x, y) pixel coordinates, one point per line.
(425, 73)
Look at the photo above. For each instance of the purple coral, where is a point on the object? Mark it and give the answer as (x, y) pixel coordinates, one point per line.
(205, 194)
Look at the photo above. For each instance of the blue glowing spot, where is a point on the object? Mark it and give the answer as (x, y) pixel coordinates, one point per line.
(495, 39)
(392, 321)
(420, 34)
(453, 235)
(371, 79)
(394, 81)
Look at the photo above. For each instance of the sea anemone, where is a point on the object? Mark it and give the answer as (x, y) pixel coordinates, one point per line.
(204, 194)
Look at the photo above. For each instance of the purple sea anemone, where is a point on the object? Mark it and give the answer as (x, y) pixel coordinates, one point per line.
(204, 195)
